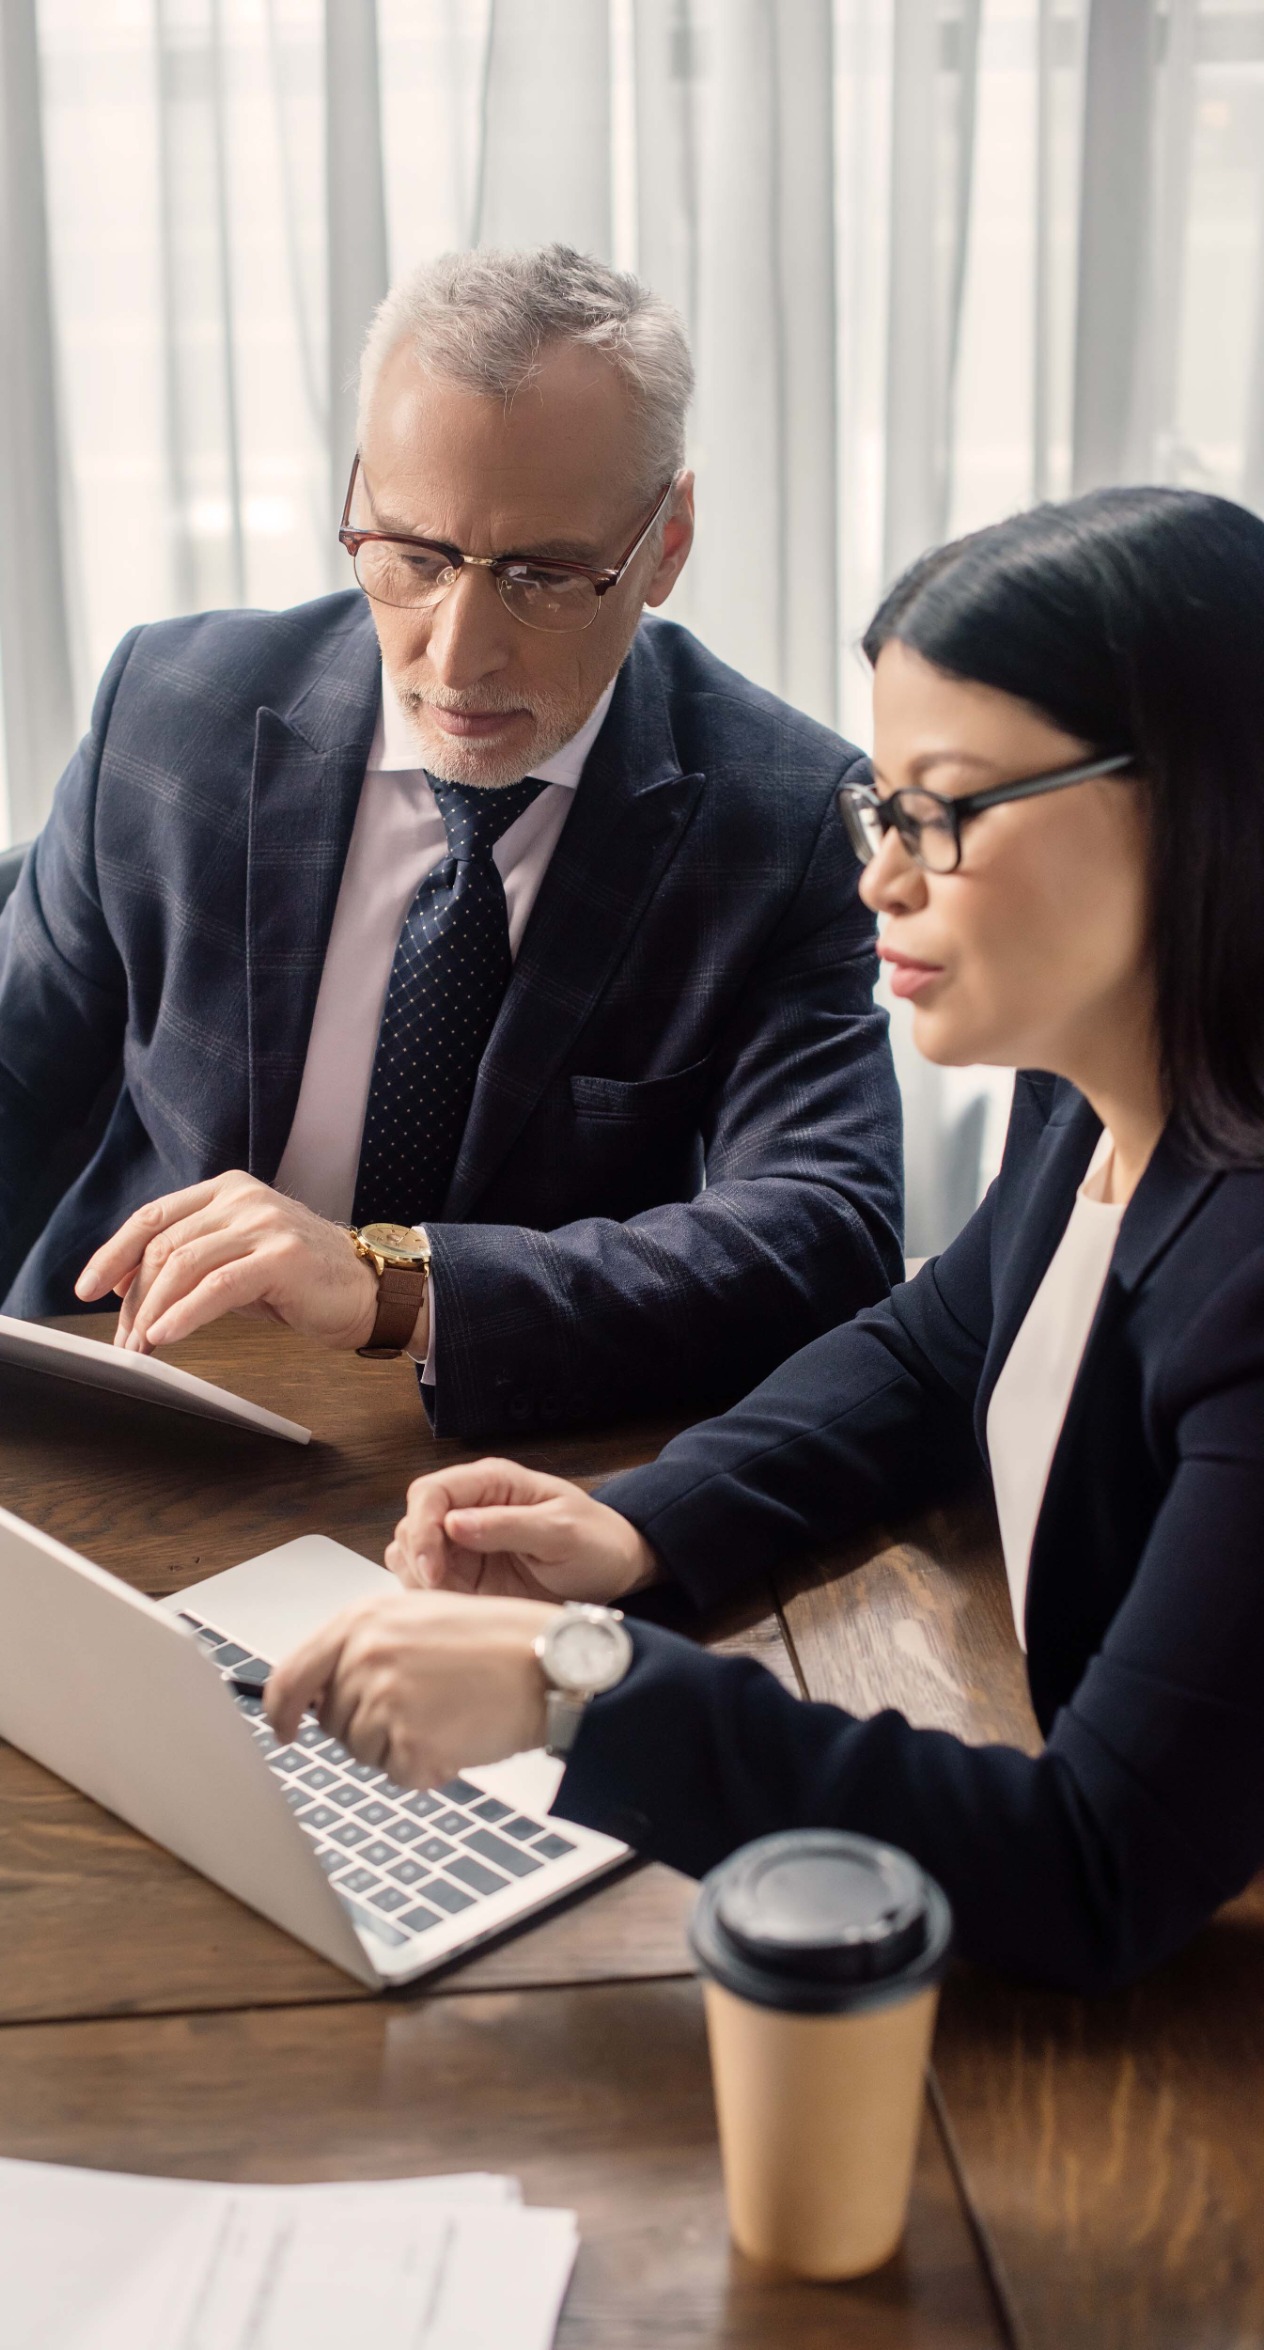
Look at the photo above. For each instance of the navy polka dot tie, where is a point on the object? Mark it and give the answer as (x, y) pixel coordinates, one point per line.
(451, 969)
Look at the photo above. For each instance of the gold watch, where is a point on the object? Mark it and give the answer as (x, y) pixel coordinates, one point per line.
(400, 1258)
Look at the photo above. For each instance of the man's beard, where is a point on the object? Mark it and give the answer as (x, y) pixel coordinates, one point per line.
(556, 718)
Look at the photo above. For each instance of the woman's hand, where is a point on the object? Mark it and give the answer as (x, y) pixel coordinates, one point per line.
(419, 1683)
(498, 1529)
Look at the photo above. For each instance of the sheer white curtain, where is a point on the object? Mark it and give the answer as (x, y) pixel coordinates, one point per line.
(938, 257)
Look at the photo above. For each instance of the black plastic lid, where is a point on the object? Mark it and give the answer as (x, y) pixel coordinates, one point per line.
(816, 1920)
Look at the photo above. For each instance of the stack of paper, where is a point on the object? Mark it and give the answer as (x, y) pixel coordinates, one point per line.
(101, 2260)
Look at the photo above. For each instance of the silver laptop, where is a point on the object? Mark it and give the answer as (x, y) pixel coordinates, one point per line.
(130, 1699)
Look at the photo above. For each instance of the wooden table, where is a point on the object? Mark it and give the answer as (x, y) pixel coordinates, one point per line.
(1090, 2175)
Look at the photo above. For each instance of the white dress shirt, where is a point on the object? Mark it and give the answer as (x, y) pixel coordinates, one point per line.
(397, 838)
(1029, 1401)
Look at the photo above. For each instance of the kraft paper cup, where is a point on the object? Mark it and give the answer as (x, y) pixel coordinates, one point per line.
(821, 1956)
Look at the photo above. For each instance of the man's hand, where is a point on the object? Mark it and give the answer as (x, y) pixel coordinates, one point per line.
(498, 1529)
(419, 1683)
(232, 1245)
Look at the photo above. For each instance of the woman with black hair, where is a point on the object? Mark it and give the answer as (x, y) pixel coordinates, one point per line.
(1065, 840)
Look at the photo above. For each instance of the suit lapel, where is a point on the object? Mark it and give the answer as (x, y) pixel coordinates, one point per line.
(1167, 1196)
(629, 816)
(1169, 1193)
(305, 787)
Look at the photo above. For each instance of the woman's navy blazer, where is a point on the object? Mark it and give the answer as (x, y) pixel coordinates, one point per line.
(1084, 1864)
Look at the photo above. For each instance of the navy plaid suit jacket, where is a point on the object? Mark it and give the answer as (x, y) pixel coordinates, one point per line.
(682, 1156)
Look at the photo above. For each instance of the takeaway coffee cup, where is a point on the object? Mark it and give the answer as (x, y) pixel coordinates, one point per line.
(821, 1956)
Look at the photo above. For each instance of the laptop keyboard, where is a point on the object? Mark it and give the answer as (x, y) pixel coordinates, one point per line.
(401, 1862)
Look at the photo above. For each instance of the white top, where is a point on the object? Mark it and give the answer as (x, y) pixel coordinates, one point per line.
(1029, 1401)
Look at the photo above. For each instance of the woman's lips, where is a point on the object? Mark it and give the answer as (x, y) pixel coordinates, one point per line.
(907, 977)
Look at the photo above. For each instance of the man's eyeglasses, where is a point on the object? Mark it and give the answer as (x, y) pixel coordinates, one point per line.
(930, 825)
(416, 574)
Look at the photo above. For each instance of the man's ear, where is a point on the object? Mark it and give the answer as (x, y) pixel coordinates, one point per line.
(677, 540)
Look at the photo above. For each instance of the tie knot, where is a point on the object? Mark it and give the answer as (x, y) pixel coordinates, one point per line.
(476, 814)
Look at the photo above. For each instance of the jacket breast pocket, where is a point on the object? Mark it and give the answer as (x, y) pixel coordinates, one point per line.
(641, 1101)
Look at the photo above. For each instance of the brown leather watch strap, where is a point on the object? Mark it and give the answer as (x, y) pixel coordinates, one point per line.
(401, 1293)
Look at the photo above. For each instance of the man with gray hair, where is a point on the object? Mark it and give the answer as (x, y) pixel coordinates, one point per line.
(479, 963)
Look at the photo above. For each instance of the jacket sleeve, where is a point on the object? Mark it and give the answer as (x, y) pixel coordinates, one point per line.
(798, 1225)
(63, 990)
(874, 1418)
(1082, 1866)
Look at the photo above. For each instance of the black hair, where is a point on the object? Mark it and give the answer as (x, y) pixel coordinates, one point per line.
(1134, 620)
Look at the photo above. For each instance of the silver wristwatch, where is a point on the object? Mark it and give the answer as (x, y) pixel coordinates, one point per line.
(585, 1651)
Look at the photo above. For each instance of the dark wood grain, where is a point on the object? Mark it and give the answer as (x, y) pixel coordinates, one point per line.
(599, 2099)
(919, 1620)
(1114, 2148)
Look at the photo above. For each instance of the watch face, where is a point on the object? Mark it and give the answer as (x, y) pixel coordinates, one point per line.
(587, 1654)
(396, 1240)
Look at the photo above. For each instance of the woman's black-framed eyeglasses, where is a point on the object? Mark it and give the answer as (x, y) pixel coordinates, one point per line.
(930, 826)
(413, 573)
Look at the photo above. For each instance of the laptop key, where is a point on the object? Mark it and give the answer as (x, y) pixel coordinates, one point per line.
(434, 1848)
(358, 1880)
(348, 1835)
(374, 1814)
(553, 1847)
(460, 1791)
(506, 1856)
(228, 1654)
(329, 1860)
(405, 1831)
(377, 1854)
(450, 1823)
(449, 1897)
(320, 1817)
(472, 1872)
(319, 1777)
(422, 1807)
(287, 1758)
(398, 1825)
(362, 1771)
(311, 1734)
(345, 1796)
(409, 1872)
(254, 1668)
(391, 1897)
(521, 1829)
(419, 1920)
(487, 1808)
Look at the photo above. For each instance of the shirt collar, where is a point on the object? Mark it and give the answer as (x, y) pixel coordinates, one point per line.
(395, 746)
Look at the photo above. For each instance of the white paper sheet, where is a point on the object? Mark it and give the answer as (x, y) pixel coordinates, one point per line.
(94, 2260)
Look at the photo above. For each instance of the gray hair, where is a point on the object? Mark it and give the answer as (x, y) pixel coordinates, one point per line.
(483, 319)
